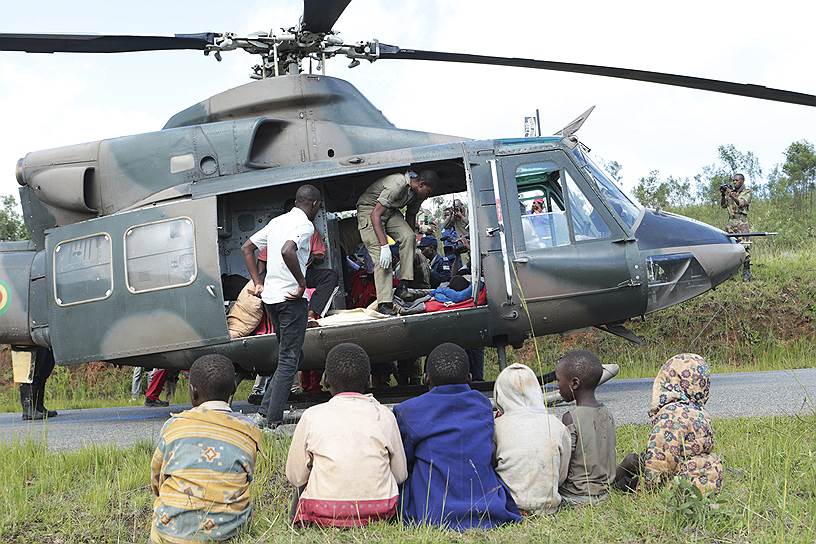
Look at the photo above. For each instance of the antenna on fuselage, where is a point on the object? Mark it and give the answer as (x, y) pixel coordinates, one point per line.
(532, 125)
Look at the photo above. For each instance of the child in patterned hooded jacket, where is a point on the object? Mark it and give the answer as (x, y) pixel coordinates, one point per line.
(204, 462)
(682, 439)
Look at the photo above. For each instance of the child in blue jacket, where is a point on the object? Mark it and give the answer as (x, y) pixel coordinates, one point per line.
(448, 439)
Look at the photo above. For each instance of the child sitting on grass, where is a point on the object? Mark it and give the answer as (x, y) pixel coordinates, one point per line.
(448, 438)
(592, 465)
(532, 446)
(204, 462)
(346, 455)
(682, 439)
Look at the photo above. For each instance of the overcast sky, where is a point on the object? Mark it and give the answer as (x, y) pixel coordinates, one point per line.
(55, 100)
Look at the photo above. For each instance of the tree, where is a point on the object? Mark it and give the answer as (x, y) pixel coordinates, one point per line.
(795, 179)
(680, 191)
(738, 162)
(11, 222)
(652, 192)
(672, 192)
(800, 168)
(731, 161)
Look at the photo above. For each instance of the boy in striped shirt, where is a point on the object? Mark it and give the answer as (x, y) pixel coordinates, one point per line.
(204, 462)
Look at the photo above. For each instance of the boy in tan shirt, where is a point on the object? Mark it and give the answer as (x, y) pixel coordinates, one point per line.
(592, 429)
(346, 454)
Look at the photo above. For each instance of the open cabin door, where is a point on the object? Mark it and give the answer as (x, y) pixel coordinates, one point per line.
(568, 253)
(137, 282)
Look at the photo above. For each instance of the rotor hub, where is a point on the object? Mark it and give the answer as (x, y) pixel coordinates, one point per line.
(283, 52)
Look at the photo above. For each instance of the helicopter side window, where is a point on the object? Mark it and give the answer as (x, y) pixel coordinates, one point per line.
(160, 255)
(83, 270)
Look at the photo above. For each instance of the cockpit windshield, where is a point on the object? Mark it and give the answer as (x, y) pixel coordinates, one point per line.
(627, 207)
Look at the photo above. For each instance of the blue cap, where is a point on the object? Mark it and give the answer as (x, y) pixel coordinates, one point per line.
(428, 241)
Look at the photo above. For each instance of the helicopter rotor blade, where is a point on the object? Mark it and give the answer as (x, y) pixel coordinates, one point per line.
(91, 43)
(319, 16)
(727, 87)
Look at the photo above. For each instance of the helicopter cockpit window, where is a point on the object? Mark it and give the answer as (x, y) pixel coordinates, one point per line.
(160, 255)
(83, 270)
(627, 207)
(543, 219)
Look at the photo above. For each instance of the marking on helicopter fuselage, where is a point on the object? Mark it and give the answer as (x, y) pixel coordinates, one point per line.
(5, 297)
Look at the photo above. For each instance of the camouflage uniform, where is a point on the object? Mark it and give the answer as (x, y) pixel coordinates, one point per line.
(738, 221)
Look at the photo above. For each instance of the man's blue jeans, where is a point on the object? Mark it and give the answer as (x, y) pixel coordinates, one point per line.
(289, 319)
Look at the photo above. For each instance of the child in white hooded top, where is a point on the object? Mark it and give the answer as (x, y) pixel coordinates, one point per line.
(532, 446)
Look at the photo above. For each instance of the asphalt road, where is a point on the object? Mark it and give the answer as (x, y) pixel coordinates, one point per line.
(732, 395)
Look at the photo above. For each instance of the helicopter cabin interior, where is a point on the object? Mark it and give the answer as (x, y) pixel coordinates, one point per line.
(242, 214)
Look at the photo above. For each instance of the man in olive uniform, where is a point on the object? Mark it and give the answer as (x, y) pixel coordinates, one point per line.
(737, 202)
(379, 216)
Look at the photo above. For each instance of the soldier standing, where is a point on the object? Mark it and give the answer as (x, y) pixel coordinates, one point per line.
(737, 199)
(379, 216)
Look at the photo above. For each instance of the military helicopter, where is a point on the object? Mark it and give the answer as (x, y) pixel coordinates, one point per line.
(130, 236)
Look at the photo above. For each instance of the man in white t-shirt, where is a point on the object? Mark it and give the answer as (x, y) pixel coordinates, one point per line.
(287, 242)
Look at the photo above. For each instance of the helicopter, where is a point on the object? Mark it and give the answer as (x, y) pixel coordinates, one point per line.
(131, 236)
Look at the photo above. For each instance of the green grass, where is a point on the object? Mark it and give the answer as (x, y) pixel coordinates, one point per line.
(101, 494)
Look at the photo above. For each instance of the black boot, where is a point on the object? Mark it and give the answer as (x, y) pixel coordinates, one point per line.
(386, 308)
(38, 393)
(29, 411)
